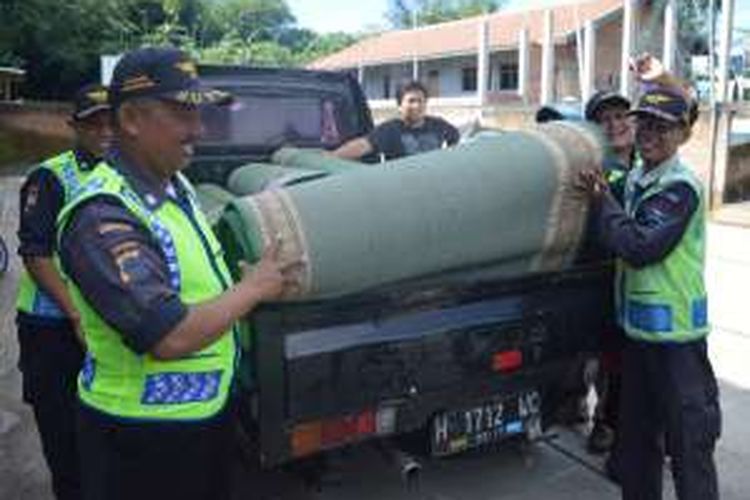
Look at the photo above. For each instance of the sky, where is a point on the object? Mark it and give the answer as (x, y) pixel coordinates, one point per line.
(325, 16)
(351, 16)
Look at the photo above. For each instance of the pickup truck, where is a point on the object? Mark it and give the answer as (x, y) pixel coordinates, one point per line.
(460, 361)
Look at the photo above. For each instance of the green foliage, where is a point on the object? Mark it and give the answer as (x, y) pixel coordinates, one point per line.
(325, 44)
(59, 43)
(254, 19)
(404, 13)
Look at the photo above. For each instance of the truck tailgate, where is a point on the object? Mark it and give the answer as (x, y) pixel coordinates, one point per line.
(419, 351)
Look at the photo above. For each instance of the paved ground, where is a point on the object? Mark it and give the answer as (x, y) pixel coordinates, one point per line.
(23, 474)
(559, 469)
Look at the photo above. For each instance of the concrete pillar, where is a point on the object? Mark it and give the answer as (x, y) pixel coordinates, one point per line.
(628, 46)
(361, 74)
(722, 115)
(589, 61)
(548, 59)
(414, 58)
(524, 64)
(483, 61)
(670, 36)
(725, 48)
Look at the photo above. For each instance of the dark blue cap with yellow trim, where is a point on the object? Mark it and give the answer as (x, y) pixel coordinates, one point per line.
(664, 104)
(163, 72)
(90, 100)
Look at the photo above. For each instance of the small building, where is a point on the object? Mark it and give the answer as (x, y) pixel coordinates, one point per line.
(505, 51)
(10, 82)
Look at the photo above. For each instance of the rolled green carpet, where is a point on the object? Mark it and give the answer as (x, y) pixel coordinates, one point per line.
(508, 202)
(315, 159)
(213, 199)
(255, 177)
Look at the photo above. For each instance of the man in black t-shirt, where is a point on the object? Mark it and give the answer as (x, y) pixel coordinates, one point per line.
(413, 132)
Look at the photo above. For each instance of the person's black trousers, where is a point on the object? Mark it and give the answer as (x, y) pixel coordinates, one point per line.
(155, 460)
(669, 398)
(50, 358)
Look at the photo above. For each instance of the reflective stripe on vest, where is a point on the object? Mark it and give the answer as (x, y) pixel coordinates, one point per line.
(116, 380)
(614, 176)
(31, 299)
(666, 301)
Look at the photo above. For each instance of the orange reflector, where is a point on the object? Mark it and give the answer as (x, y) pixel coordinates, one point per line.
(306, 439)
(310, 437)
(506, 361)
(336, 430)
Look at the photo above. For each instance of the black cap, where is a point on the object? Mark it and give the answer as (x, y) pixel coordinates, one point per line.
(665, 104)
(547, 114)
(163, 72)
(601, 98)
(554, 112)
(89, 100)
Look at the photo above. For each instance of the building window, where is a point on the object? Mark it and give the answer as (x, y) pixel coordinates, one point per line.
(469, 79)
(508, 76)
(433, 83)
(386, 86)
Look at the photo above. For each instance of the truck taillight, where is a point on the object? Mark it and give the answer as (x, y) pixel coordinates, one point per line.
(506, 361)
(310, 437)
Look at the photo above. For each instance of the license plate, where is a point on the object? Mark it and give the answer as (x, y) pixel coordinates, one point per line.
(459, 430)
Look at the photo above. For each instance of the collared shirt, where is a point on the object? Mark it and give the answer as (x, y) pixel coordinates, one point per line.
(118, 265)
(42, 198)
(657, 225)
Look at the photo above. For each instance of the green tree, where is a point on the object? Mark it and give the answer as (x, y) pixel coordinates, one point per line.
(694, 31)
(325, 44)
(254, 19)
(402, 13)
(59, 43)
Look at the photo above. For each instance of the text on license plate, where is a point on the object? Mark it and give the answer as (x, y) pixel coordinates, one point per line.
(459, 430)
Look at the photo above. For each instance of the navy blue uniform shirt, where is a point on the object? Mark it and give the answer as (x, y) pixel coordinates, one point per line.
(119, 266)
(656, 228)
(42, 198)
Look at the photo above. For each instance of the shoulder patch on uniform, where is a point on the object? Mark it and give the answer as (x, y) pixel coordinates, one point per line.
(126, 256)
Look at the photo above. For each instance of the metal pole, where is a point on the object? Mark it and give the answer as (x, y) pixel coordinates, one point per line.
(712, 53)
(723, 113)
